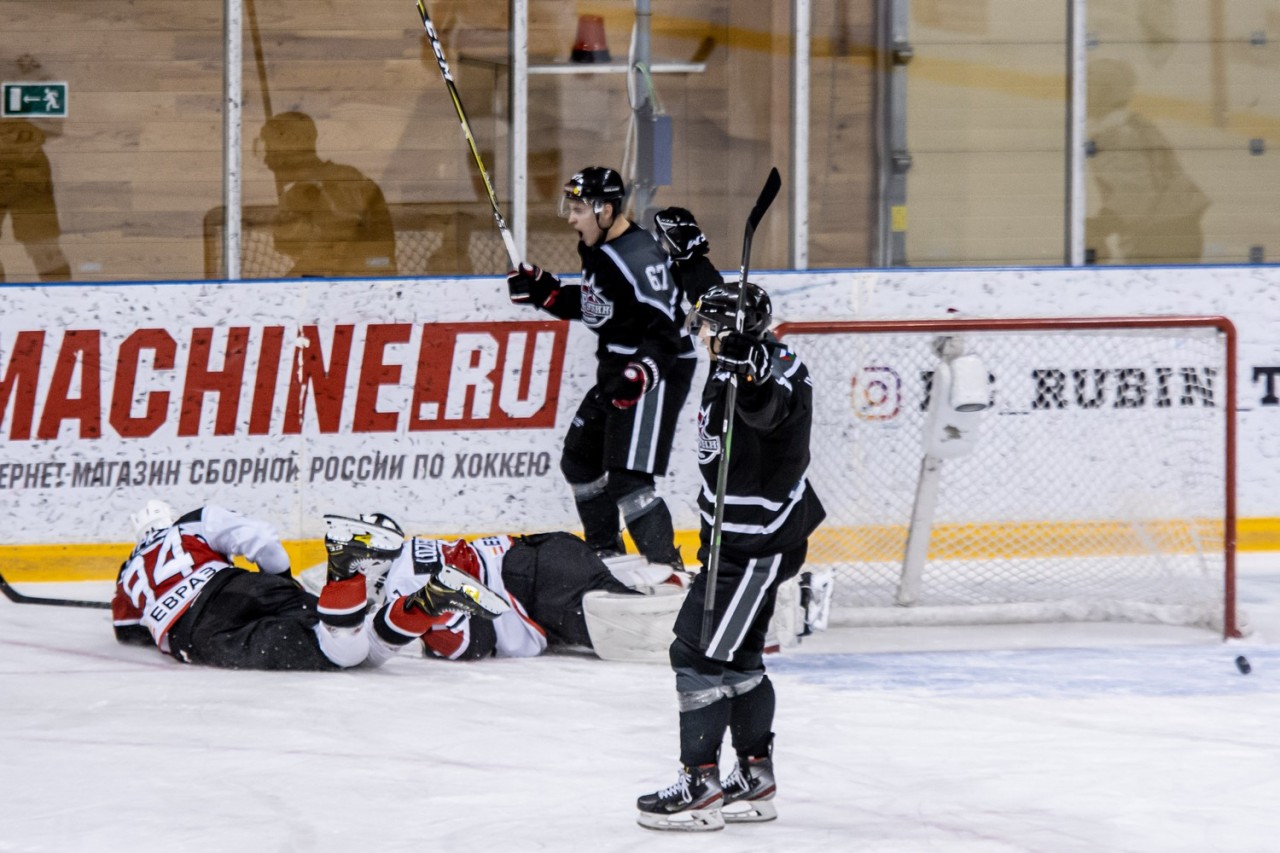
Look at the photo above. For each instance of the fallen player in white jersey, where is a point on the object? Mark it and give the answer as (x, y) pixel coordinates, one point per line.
(180, 591)
(561, 596)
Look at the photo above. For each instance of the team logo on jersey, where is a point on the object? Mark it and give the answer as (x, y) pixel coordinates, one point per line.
(708, 444)
(596, 308)
(426, 556)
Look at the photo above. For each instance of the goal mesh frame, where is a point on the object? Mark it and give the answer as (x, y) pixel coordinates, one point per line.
(1221, 325)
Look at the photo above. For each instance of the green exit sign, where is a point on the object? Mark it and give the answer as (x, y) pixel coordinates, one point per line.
(35, 100)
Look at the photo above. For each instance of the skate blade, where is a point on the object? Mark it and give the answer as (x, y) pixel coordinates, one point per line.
(746, 811)
(695, 820)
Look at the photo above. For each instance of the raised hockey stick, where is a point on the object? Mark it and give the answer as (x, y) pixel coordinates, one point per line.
(260, 61)
(768, 193)
(466, 131)
(18, 598)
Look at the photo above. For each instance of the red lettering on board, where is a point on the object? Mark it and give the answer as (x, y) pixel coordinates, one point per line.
(125, 385)
(21, 379)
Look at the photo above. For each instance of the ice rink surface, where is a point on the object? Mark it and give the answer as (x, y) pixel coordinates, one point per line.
(1017, 738)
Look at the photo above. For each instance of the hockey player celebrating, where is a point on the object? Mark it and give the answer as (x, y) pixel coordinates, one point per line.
(770, 512)
(620, 437)
(179, 590)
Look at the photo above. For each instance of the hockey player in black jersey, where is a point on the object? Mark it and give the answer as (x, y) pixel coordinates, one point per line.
(620, 437)
(770, 510)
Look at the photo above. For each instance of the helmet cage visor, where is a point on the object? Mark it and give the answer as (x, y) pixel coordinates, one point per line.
(711, 318)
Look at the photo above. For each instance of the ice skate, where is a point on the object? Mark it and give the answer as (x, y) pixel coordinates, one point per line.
(449, 590)
(367, 545)
(692, 804)
(749, 790)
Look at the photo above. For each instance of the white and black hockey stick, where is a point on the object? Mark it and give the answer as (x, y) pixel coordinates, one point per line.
(18, 598)
(767, 194)
(466, 131)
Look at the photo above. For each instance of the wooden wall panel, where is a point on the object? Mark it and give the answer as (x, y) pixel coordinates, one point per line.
(136, 166)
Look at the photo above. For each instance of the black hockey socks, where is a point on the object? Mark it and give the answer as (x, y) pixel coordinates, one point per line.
(600, 524)
(751, 718)
(651, 529)
(701, 731)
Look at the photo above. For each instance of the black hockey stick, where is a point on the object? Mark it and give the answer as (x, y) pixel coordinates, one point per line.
(466, 131)
(260, 61)
(18, 598)
(767, 194)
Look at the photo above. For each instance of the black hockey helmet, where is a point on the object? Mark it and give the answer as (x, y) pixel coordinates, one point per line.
(719, 306)
(596, 184)
(680, 233)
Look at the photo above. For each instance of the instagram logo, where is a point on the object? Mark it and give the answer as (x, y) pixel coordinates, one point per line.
(876, 393)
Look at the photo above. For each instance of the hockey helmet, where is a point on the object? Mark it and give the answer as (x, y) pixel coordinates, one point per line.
(680, 233)
(595, 184)
(718, 308)
(154, 515)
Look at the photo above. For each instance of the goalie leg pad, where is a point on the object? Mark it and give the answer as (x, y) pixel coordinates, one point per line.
(787, 625)
(815, 597)
(631, 627)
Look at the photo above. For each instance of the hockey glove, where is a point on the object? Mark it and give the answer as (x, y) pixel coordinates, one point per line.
(529, 285)
(745, 356)
(625, 389)
(681, 236)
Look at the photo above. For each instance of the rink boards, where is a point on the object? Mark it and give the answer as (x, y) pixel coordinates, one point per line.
(434, 400)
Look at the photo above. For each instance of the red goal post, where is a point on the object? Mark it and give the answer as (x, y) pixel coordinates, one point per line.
(1066, 469)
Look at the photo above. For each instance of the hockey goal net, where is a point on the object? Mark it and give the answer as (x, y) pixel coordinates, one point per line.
(980, 471)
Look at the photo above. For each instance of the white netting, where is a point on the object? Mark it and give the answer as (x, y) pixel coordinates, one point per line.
(1095, 490)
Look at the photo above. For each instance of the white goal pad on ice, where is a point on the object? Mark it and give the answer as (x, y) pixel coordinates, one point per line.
(1025, 470)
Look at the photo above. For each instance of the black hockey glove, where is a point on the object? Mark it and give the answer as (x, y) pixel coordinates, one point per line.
(625, 389)
(681, 236)
(529, 285)
(745, 356)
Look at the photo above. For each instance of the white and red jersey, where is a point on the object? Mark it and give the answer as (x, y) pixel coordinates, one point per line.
(169, 568)
(517, 634)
